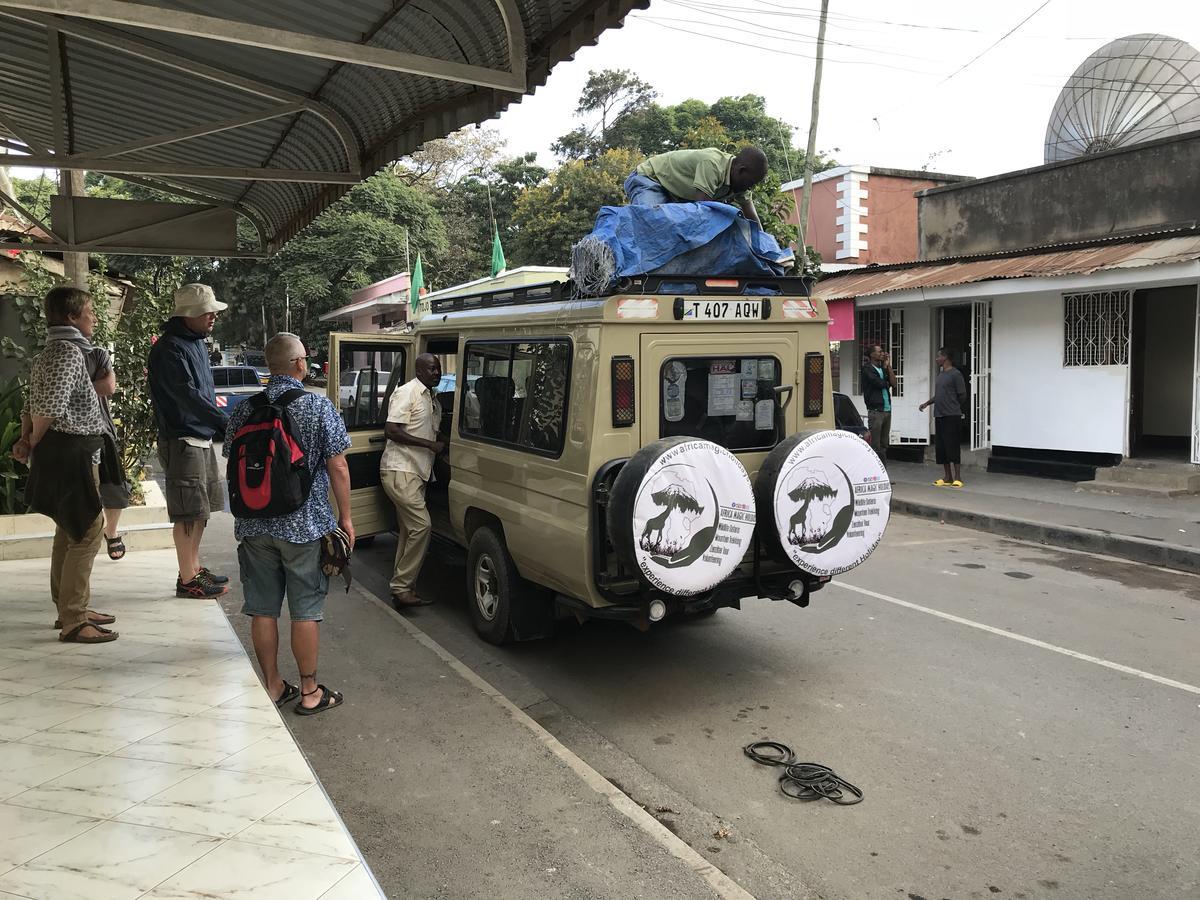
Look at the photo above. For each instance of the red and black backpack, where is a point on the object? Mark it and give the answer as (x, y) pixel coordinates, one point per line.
(268, 470)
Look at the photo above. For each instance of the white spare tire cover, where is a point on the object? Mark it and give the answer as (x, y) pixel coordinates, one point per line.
(823, 501)
(682, 513)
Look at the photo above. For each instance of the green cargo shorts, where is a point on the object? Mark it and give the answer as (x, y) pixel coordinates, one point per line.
(194, 486)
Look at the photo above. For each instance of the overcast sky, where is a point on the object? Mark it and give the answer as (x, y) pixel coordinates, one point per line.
(890, 93)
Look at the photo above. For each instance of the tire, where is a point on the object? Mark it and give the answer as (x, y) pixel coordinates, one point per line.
(504, 607)
(822, 500)
(681, 512)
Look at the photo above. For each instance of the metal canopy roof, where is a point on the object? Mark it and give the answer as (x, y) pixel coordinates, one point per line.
(269, 107)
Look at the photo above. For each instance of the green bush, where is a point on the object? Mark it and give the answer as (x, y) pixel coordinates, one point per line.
(12, 473)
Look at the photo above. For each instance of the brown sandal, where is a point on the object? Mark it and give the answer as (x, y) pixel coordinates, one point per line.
(74, 637)
(94, 618)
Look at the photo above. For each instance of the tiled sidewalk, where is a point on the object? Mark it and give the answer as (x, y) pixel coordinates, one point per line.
(155, 766)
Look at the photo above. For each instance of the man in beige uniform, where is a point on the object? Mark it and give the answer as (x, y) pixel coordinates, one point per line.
(412, 422)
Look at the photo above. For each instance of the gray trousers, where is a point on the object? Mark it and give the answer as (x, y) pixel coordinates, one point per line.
(880, 423)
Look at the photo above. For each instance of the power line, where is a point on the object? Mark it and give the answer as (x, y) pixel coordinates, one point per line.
(996, 43)
(805, 13)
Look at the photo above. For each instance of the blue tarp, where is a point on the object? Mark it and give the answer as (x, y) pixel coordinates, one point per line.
(703, 238)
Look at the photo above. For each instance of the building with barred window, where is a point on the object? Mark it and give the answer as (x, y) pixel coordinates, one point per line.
(1069, 293)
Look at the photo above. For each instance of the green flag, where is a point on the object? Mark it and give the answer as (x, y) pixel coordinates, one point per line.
(498, 263)
(416, 285)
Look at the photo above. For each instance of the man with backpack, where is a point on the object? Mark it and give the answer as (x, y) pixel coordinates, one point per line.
(286, 451)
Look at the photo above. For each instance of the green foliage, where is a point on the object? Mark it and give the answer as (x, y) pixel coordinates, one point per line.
(550, 217)
(12, 473)
(36, 281)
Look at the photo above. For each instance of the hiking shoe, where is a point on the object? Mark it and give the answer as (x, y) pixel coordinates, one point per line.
(209, 575)
(200, 588)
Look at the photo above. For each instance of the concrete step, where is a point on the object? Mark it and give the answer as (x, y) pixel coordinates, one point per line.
(152, 513)
(1133, 490)
(155, 536)
(1184, 479)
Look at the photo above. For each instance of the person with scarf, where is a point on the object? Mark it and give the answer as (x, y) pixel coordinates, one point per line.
(63, 450)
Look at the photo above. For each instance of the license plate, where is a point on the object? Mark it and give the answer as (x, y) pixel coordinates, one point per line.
(722, 310)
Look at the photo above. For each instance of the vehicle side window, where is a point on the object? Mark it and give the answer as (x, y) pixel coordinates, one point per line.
(728, 400)
(220, 377)
(249, 378)
(367, 374)
(516, 393)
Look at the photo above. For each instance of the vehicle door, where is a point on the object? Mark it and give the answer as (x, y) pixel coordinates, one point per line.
(373, 365)
(721, 386)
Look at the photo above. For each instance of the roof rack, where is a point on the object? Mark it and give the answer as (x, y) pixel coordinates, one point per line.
(559, 291)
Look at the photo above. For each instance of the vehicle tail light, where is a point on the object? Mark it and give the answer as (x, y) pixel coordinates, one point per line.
(814, 384)
(624, 398)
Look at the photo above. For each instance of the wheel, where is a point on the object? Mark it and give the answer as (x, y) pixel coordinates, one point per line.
(504, 607)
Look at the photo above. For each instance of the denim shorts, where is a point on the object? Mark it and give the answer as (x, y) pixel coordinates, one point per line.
(271, 568)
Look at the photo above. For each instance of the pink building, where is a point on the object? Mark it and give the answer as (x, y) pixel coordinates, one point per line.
(377, 306)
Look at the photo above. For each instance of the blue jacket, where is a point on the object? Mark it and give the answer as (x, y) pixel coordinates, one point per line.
(181, 385)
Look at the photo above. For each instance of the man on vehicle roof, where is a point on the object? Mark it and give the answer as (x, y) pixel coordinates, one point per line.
(684, 176)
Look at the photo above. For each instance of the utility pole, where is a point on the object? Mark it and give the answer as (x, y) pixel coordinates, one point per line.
(812, 130)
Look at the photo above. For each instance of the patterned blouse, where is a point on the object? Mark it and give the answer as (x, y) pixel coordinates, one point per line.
(324, 435)
(60, 389)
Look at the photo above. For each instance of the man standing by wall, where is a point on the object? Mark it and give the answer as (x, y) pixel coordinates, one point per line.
(878, 385)
(282, 554)
(185, 405)
(949, 396)
(412, 422)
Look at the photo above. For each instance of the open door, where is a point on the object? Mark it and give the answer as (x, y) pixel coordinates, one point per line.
(1196, 387)
(981, 380)
(364, 369)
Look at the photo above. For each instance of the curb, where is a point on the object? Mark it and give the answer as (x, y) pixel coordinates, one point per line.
(1140, 550)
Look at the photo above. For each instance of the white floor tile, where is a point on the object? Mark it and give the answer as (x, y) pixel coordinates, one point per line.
(308, 822)
(104, 788)
(23, 766)
(236, 871)
(105, 687)
(27, 833)
(358, 885)
(111, 862)
(199, 741)
(27, 715)
(216, 802)
(104, 730)
(276, 755)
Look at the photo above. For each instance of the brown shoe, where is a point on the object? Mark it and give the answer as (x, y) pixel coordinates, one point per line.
(94, 618)
(102, 635)
(409, 600)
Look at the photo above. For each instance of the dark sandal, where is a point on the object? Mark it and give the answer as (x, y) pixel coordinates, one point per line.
(96, 619)
(329, 700)
(290, 693)
(74, 637)
(116, 547)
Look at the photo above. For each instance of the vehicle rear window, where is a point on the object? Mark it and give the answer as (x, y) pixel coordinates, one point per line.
(729, 400)
(220, 377)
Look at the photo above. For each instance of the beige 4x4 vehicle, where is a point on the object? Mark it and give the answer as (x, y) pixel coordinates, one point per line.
(664, 450)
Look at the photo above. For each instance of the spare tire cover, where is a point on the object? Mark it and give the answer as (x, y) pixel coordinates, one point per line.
(823, 500)
(682, 513)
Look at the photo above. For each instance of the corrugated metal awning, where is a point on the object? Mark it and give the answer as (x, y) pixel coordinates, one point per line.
(270, 107)
(1075, 261)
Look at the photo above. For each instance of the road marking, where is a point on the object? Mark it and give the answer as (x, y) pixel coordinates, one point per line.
(724, 886)
(1033, 642)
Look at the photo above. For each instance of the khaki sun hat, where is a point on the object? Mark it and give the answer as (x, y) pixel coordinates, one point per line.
(196, 300)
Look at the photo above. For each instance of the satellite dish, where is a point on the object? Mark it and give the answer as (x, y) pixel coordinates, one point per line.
(1134, 89)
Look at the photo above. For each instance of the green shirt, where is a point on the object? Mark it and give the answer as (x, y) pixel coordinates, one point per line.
(683, 172)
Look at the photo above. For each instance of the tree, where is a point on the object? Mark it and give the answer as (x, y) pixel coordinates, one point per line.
(610, 94)
(552, 215)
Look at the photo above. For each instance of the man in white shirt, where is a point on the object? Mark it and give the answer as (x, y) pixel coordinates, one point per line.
(414, 415)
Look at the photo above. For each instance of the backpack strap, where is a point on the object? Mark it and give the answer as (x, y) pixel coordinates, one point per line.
(288, 396)
(259, 400)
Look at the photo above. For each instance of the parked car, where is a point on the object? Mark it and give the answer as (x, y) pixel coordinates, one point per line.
(234, 384)
(257, 360)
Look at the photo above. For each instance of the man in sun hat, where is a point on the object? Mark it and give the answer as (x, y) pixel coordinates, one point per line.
(185, 406)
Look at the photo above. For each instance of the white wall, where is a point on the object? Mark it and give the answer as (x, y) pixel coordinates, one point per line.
(1039, 403)
(1169, 345)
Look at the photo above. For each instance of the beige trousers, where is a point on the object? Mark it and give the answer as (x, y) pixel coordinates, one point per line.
(71, 572)
(407, 493)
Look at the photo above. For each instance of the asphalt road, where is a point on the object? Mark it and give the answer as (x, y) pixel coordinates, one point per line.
(1023, 721)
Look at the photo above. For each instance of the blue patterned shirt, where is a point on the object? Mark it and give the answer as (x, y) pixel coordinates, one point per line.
(323, 434)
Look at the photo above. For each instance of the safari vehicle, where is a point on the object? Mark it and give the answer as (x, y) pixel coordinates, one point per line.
(610, 457)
